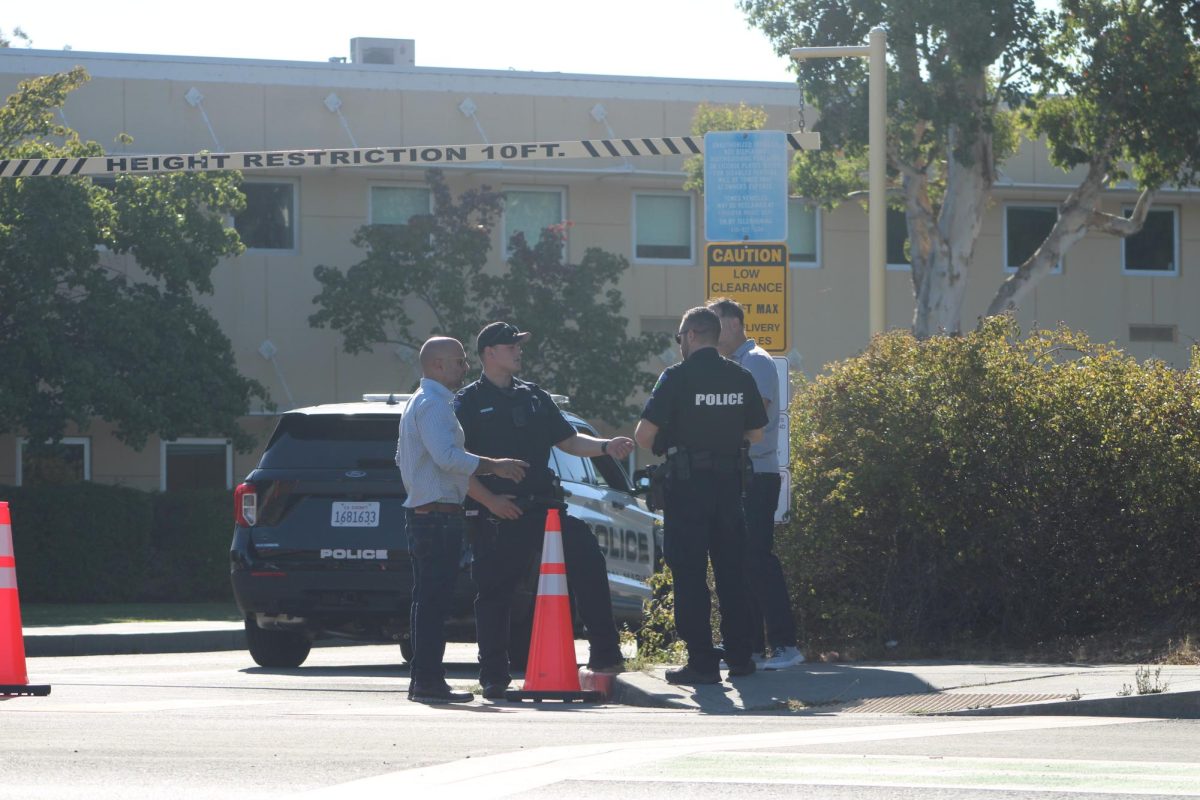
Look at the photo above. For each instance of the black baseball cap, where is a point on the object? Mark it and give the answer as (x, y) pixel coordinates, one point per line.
(499, 333)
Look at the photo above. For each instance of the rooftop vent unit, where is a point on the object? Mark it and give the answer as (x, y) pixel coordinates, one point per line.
(391, 52)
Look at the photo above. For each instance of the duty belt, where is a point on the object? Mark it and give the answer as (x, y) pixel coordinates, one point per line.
(707, 461)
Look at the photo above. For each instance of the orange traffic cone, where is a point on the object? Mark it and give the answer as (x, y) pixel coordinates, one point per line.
(13, 679)
(551, 672)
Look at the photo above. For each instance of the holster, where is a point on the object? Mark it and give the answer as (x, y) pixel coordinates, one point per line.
(656, 497)
(745, 467)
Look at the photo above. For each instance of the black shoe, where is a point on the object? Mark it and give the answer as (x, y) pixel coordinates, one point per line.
(747, 667)
(494, 691)
(438, 694)
(692, 677)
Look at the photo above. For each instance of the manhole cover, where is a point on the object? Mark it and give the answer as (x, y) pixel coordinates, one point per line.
(937, 702)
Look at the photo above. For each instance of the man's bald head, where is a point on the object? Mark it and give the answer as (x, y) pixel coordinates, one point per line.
(444, 360)
(438, 347)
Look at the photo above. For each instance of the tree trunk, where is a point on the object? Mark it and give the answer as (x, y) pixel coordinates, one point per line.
(940, 270)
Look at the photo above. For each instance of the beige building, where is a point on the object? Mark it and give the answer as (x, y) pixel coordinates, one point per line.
(1138, 293)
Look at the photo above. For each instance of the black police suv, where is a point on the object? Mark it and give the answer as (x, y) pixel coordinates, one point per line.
(319, 547)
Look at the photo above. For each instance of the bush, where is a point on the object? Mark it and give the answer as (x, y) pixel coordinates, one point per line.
(84, 543)
(992, 489)
(192, 530)
(93, 543)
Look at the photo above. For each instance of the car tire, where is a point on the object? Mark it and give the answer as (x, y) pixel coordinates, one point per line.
(276, 649)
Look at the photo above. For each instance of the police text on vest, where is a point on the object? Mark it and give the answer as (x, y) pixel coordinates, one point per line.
(729, 399)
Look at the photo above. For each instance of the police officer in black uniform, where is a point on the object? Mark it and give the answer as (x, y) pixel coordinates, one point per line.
(700, 415)
(500, 413)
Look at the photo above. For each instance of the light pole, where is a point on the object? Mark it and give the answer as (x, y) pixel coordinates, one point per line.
(875, 52)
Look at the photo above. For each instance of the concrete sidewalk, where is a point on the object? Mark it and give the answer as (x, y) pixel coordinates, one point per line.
(886, 688)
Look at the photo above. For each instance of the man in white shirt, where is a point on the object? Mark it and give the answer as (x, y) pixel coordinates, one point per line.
(768, 590)
(437, 472)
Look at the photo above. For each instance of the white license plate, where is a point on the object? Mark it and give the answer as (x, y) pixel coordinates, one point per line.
(355, 515)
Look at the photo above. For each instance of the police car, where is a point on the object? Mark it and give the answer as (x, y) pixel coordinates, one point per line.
(320, 551)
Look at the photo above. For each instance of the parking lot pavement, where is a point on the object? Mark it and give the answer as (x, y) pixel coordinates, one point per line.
(818, 688)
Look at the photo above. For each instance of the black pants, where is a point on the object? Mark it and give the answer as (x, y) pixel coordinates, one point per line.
(703, 518)
(768, 589)
(501, 557)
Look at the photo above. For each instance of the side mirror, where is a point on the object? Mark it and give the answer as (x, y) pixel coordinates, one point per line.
(641, 480)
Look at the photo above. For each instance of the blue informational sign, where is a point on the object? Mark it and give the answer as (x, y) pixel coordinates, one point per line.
(745, 186)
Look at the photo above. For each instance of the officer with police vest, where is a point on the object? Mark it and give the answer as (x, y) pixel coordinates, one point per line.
(505, 417)
(702, 415)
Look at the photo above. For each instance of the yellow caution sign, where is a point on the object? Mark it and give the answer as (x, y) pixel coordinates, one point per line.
(755, 274)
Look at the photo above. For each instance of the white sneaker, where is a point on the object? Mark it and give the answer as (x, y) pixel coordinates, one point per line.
(783, 657)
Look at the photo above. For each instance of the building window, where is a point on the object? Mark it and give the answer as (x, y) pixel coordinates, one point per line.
(196, 464)
(530, 211)
(1155, 334)
(663, 228)
(1154, 250)
(1025, 228)
(269, 221)
(69, 461)
(804, 234)
(897, 239)
(396, 205)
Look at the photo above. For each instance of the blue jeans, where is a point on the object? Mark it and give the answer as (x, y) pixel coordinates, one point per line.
(435, 544)
(768, 588)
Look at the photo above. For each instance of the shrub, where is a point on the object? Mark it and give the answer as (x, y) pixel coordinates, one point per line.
(94, 543)
(83, 543)
(992, 489)
(192, 530)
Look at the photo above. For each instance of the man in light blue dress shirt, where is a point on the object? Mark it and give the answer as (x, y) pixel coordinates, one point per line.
(437, 471)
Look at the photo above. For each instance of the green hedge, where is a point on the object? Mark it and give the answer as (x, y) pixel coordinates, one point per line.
(92, 543)
(994, 489)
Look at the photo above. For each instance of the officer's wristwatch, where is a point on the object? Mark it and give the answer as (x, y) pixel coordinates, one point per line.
(604, 447)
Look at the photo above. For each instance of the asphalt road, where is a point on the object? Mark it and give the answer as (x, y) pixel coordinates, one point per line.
(207, 725)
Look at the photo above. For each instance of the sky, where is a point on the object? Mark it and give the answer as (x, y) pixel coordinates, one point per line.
(658, 38)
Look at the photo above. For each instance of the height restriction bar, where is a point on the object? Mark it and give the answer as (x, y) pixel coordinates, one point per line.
(422, 155)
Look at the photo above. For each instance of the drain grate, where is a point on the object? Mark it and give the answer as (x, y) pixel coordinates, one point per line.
(937, 702)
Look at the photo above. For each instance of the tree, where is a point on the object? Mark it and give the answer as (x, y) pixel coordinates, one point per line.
(1110, 84)
(17, 33)
(82, 338)
(434, 267)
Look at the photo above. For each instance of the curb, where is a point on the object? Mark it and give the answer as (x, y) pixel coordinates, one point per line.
(1167, 705)
(107, 644)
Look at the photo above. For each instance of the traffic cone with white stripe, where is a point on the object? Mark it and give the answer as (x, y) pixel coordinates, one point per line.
(13, 679)
(551, 672)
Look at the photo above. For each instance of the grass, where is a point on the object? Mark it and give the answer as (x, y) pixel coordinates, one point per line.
(36, 615)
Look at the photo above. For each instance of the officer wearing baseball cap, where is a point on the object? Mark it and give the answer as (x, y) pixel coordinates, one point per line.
(502, 414)
(700, 415)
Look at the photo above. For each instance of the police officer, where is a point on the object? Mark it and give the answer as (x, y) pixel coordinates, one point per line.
(505, 417)
(699, 415)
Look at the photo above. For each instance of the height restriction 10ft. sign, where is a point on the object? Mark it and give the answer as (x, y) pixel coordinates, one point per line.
(755, 275)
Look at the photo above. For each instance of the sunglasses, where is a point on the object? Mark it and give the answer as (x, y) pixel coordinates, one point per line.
(679, 337)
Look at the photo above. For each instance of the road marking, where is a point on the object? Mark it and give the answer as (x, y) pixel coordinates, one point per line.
(1042, 775)
(131, 707)
(524, 770)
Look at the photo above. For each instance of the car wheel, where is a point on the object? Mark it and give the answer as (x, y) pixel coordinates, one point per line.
(406, 648)
(276, 649)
